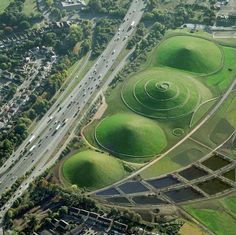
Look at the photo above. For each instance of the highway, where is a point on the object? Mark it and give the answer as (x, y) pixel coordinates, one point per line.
(55, 125)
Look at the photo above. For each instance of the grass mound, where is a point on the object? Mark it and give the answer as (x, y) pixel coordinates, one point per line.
(189, 53)
(130, 135)
(92, 170)
(160, 93)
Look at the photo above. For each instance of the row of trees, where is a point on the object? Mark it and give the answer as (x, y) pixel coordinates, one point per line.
(180, 14)
(116, 8)
(104, 30)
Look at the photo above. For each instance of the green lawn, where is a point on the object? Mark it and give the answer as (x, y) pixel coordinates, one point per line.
(230, 204)
(187, 153)
(220, 126)
(30, 7)
(92, 170)
(201, 110)
(217, 221)
(4, 4)
(218, 215)
(221, 80)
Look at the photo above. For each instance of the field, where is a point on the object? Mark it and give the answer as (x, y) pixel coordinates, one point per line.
(221, 80)
(187, 153)
(220, 126)
(129, 134)
(30, 7)
(190, 228)
(92, 170)
(4, 4)
(163, 93)
(219, 215)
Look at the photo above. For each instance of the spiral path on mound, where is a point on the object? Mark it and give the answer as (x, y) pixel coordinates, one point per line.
(160, 96)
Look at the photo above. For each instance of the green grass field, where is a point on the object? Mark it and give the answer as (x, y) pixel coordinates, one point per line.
(92, 170)
(190, 54)
(220, 126)
(4, 4)
(201, 110)
(218, 215)
(220, 81)
(217, 221)
(130, 134)
(30, 7)
(182, 156)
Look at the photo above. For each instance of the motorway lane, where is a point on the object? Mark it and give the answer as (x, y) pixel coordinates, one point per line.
(70, 106)
(10, 161)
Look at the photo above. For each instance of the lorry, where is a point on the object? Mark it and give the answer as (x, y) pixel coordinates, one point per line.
(32, 148)
(131, 25)
(31, 139)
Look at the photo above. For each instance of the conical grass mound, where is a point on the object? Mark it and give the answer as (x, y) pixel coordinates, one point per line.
(190, 54)
(163, 94)
(130, 135)
(92, 170)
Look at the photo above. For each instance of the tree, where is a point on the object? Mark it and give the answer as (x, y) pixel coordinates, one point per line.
(63, 210)
(21, 129)
(95, 5)
(56, 13)
(75, 35)
(40, 106)
(85, 46)
(7, 146)
(24, 25)
(32, 222)
(50, 39)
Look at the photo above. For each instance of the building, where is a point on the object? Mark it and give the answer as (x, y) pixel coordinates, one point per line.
(83, 213)
(93, 215)
(55, 222)
(104, 222)
(74, 211)
(63, 225)
(71, 5)
(120, 227)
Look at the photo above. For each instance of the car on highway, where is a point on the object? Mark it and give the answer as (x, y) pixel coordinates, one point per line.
(32, 148)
